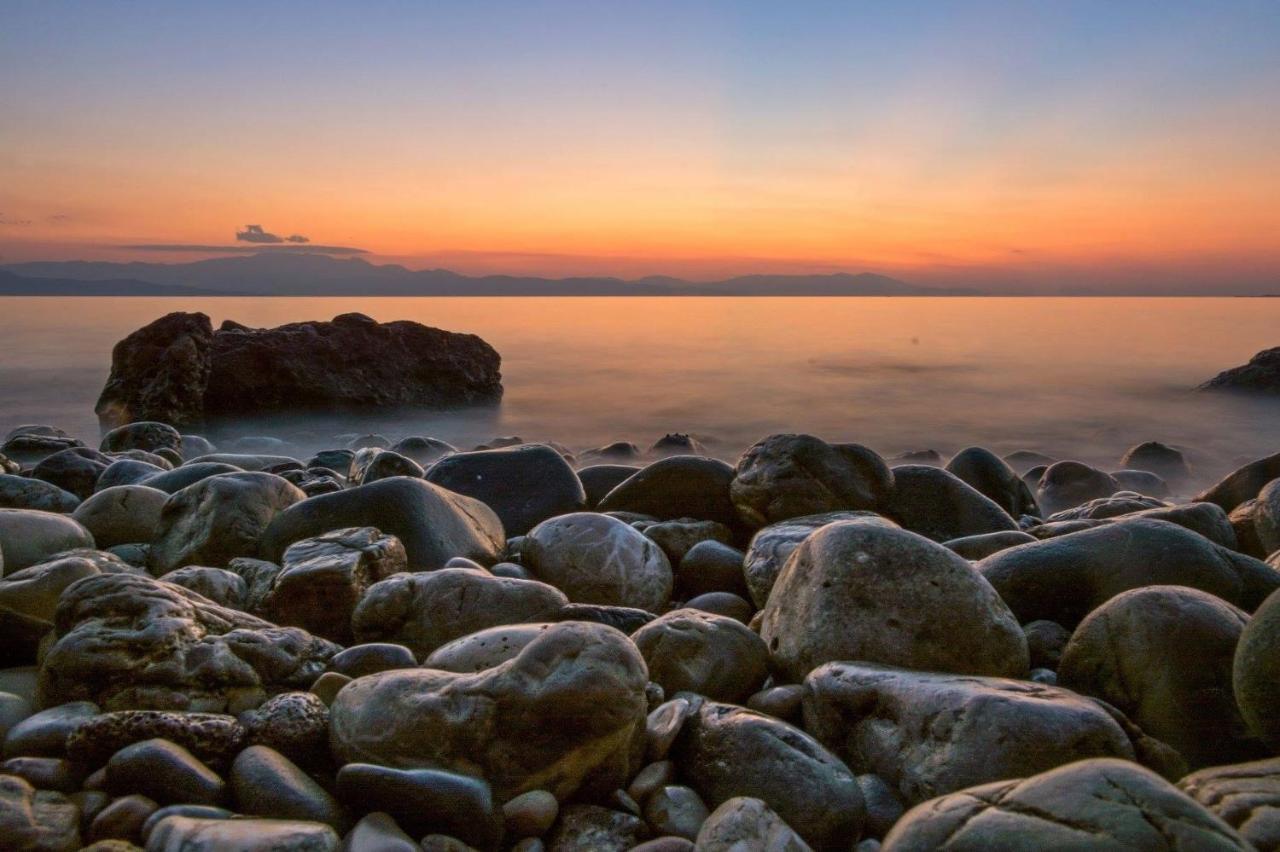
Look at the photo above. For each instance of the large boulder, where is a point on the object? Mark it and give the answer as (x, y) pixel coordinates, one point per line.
(218, 519)
(423, 611)
(1162, 655)
(524, 485)
(677, 487)
(857, 591)
(941, 506)
(772, 546)
(1161, 459)
(433, 523)
(1260, 376)
(992, 477)
(28, 536)
(1065, 578)
(564, 715)
(1102, 804)
(1245, 795)
(1069, 483)
(159, 372)
(929, 734)
(787, 476)
(597, 559)
(715, 656)
(724, 751)
(126, 641)
(1243, 483)
(122, 514)
(1256, 672)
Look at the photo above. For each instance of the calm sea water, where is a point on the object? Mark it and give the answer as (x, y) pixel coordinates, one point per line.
(1074, 378)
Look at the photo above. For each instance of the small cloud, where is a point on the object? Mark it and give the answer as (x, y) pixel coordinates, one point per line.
(255, 234)
(297, 238)
(12, 222)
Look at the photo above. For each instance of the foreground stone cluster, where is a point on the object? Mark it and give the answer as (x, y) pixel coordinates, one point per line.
(403, 646)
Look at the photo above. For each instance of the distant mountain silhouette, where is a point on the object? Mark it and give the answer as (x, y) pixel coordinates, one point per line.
(320, 275)
(17, 285)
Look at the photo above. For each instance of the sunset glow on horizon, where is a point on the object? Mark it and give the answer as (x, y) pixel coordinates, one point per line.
(940, 141)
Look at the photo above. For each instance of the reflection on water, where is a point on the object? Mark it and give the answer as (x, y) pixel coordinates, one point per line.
(1081, 378)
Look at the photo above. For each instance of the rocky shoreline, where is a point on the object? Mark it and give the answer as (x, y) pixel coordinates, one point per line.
(400, 645)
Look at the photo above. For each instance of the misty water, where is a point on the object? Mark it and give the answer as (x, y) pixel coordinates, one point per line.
(1074, 378)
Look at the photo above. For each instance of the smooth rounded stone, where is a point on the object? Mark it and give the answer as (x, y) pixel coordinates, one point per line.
(746, 824)
(378, 832)
(37, 820)
(484, 649)
(1045, 643)
(293, 723)
(618, 451)
(677, 444)
(790, 476)
(146, 435)
(13, 709)
(328, 685)
(530, 814)
(75, 470)
(29, 536)
(195, 834)
(1245, 795)
(1207, 519)
(196, 445)
(1141, 482)
(1065, 578)
(691, 651)
(432, 523)
(339, 461)
(127, 472)
(781, 702)
(592, 828)
(929, 734)
(598, 559)
(524, 485)
(132, 642)
(35, 591)
(1113, 506)
(425, 801)
(506, 722)
(218, 519)
(44, 734)
(1256, 672)
(678, 537)
(23, 492)
(217, 584)
(675, 810)
(884, 806)
(680, 486)
(30, 448)
(122, 819)
(387, 464)
(45, 773)
(427, 610)
(266, 783)
(164, 771)
(134, 554)
(992, 477)
(711, 566)
(194, 811)
(173, 481)
(940, 506)
(1048, 677)
(371, 658)
(122, 514)
(1161, 459)
(975, 547)
(1242, 484)
(511, 571)
(772, 546)
(625, 618)
(724, 751)
(212, 737)
(664, 723)
(1066, 484)
(1162, 655)
(323, 579)
(927, 456)
(423, 450)
(857, 591)
(246, 461)
(1102, 803)
(599, 479)
(726, 604)
(649, 780)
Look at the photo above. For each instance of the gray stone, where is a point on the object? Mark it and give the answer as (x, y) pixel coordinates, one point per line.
(745, 824)
(1069, 483)
(34, 820)
(597, 559)
(425, 801)
(679, 486)
(714, 656)
(772, 546)
(194, 834)
(1256, 672)
(940, 506)
(213, 738)
(23, 492)
(524, 485)
(1245, 795)
(165, 772)
(122, 514)
(28, 536)
(217, 584)
(266, 783)
(992, 477)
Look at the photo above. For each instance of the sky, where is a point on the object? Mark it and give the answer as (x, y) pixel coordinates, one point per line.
(1022, 144)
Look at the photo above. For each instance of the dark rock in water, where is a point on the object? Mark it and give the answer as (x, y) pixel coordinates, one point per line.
(995, 479)
(1161, 459)
(1102, 803)
(933, 458)
(75, 470)
(939, 505)
(338, 461)
(598, 480)
(1261, 375)
(159, 372)
(1243, 484)
(1069, 483)
(677, 487)
(1162, 655)
(618, 451)
(423, 450)
(677, 444)
(425, 800)
(524, 485)
(432, 523)
(1024, 460)
(177, 370)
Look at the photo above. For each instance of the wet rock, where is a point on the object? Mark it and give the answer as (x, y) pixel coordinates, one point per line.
(688, 650)
(789, 476)
(131, 642)
(677, 444)
(148, 435)
(194, 834)
(506, 722)
(28, 536)
(1069, 483)
(266, 783)
(711, 566)
(1243, 520)
(587, 828)
(725, 751)
(726, 604)
(122, 819)
(772, 546)
(975, 547)
(211, 737)
(433, 524)
(677, 487)
(35, 591)
(45, 733)
(1243, 483)
(1266, 518)
(23, 492)
(992, 477)
(1207, 519)
(424, 611)
(29, 448)
(1162, 656)
(45, 773)
(1245, 795)
(173, 481)
(378, 832)
(1045, 643)
(523, 485)
(941, 506)
(425, 801)
(75, 470)
(1102, 803)
(423, 450)
(293, 723)
(858, 591)
(159, 372)
(484, 649)
(371, 658)
(1161, 459)
(1065, 578)
(744, 823)
(127, 472)
(122, 514)
(598, 480)
(165, 772)
(387, 464)
(1260, 376)
(530, 814)
(37, 820)
(597, 559)
(618, 451)
(624, 618)
(217, 584)
(1256, 672)
(675, 811)
(1120, 503)
(1142, 482)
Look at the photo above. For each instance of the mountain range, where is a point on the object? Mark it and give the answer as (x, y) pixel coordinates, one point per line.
(321, 275)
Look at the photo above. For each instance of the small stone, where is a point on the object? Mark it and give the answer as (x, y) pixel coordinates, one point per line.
(195, 811)
(123, 819)
(193, 834)
(725, 604)
(743, 823)
(530, 814)
(422, 800)
(45, 733)
(663, 726)
(328, 685)
(164, 771)
(45, 773)
(591, 828)
(294, 723)
(781, 702)
(675, 810)
(371, 658)
(37, 820)
(650, 779)
(378, 832)
(266, 783)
